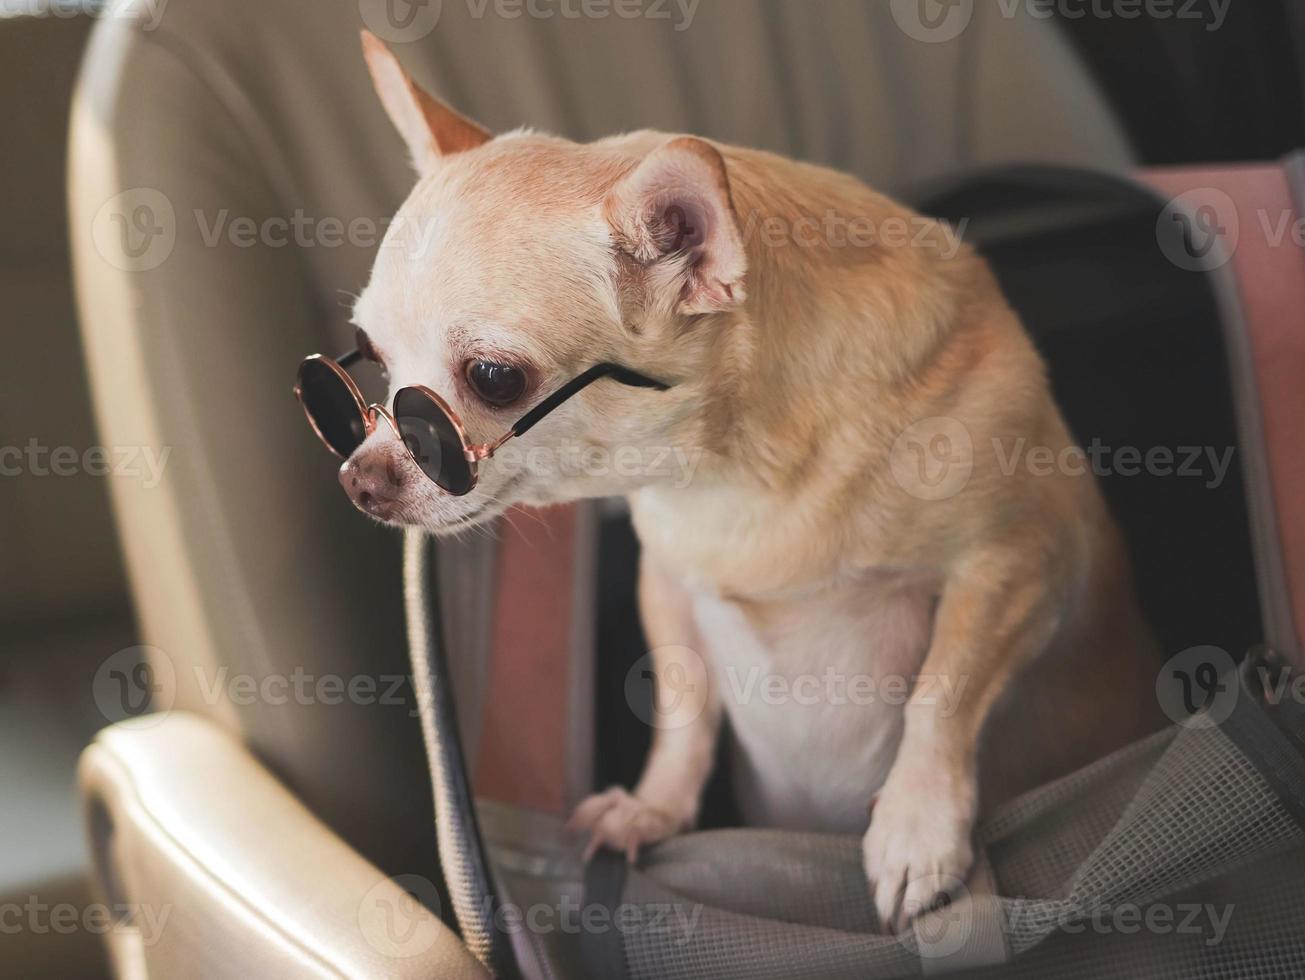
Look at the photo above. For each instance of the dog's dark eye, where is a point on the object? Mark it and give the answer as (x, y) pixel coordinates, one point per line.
(498, 384)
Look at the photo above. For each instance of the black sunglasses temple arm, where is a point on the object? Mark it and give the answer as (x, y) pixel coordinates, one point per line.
(614, 371)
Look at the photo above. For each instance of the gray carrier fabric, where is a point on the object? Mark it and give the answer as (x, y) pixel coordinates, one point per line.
(467, 871)
(1180, 856)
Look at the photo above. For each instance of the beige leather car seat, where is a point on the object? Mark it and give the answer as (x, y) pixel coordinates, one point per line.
(231, 174)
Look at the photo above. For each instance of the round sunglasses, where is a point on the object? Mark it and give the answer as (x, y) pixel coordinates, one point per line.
(431, 431)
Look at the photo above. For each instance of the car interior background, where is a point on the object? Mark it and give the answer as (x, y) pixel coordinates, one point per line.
(162, 504)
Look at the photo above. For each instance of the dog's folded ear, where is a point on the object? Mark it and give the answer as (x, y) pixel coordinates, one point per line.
(674, 212)
(429, 127)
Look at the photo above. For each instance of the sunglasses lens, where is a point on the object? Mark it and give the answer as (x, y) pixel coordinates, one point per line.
(332, 407)
(433, 440)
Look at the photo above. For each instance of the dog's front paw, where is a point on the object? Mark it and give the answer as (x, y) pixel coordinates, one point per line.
(917, 851)
(623, 822)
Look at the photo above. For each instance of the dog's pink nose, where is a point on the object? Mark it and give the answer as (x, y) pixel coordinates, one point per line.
(372, 483)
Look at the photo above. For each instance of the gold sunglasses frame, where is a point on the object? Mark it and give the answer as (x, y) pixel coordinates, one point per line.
(473, 452)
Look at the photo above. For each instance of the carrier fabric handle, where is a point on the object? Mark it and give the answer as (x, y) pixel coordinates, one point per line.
(462, 852)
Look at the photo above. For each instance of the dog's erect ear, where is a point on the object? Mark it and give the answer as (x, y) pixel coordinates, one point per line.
(429, 127)
(675, 207)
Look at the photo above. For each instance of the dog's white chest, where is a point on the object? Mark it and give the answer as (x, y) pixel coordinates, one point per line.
(814, 693)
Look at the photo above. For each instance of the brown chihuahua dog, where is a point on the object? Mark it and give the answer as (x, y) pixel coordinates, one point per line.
(853, 574)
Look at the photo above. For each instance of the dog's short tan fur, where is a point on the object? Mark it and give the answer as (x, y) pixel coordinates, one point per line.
(796, 366)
